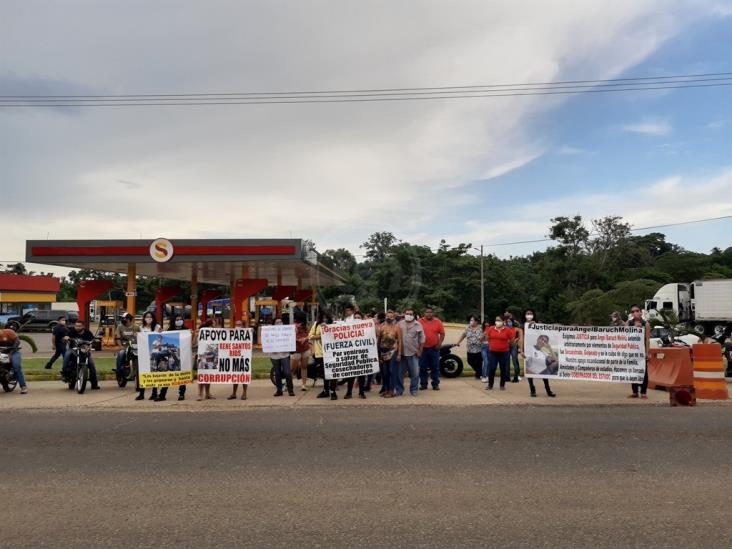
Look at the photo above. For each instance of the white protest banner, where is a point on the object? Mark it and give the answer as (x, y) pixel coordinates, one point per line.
(165, 358)
(586, 353)
(225, 355)
(278, 338)
(349, 349)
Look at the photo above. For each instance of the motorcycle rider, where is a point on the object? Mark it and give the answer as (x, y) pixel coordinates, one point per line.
(79, 331)
(10, 344)
(126, 333)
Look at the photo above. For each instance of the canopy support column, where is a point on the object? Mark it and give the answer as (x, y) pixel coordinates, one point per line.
(132, 288)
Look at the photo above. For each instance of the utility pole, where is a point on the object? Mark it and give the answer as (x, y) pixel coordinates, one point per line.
(482, 287)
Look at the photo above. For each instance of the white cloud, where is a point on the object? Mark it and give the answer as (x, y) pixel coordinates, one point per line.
(649, 127)
(567, 150)
(715, 124)
(329, 172)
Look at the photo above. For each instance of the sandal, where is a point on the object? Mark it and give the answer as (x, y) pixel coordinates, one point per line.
(231, 397)
(210, 397)
(243, 397)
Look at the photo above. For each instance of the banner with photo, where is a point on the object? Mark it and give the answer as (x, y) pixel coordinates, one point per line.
(278, 338)
(585, 353)
(165, 358)
(349, 349)
(224, 355)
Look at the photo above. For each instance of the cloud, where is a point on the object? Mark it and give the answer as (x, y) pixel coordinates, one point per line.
(567, 150)
(649, 127)
(715, 124)
(333, 173)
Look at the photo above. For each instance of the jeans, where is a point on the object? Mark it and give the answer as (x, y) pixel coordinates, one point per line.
(642, 386)
(15, 360)
(282, 368)
(429, 362)
(58, 353)
(484, 352)
(361, 385)
(515, 360)
(411, 363)
(496, 358)
(385, 368)
(92, 368)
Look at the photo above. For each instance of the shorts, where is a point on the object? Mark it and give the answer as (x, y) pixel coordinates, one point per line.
(297, 356)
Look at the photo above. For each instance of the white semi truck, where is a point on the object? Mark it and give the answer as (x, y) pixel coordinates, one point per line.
(706, 305)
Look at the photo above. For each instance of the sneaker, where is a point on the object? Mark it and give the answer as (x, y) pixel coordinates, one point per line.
(423, 387)
(515, 380)
(484, 380)
(633, 395)
(140, 397)
(334, 396)
(47, 366)
(348, 396)
(24, 390)
(550, 394)
(323, 394)
(436, 388)
(160, 399)
(489, 387)
(153, 397)
(303, 388)
(97, 388)
(278, 394)
(291, 393)
(414, 394)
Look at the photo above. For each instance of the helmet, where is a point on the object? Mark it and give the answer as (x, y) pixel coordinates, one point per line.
(8, 337)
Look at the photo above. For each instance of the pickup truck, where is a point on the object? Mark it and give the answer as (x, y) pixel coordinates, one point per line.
(36, 320)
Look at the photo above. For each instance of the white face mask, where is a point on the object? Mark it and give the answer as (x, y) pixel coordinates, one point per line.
(179, 323)
(529, 317)
(499, 323)
(409, 318)
(148, 320)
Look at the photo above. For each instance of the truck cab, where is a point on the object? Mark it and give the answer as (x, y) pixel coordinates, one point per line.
(671, 297)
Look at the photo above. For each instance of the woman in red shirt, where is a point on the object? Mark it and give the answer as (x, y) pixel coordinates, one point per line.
(500, 338)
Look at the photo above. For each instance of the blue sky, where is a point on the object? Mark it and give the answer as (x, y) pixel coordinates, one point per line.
(475, 170)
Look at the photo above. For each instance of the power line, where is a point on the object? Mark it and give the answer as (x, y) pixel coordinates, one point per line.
(636, 229)
(240, 99)
(608, 82)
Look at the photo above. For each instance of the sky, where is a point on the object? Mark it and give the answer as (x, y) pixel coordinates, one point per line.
(484, 171)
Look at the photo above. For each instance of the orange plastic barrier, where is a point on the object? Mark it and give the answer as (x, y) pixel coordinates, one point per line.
(709, 372)
(670, 367)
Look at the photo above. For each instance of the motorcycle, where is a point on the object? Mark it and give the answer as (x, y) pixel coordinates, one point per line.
(129, 368)
(7, 374)
(451, 365)
(77, 375)
(720, 336)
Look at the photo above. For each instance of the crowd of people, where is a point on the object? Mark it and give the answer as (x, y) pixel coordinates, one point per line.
(408, 345)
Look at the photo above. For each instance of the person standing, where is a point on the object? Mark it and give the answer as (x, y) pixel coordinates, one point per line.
(387, 341)
(149, 326)
(429, 362)
(60, 331)
(235, 386)
(411, 348)
(484, 352)
(474, 334)
(177, 323)
(514, 351)
(281, 363)
(302, 351)
(500, 338)
(636, 320)
(357, 317)
(529, 320)
(329, 385)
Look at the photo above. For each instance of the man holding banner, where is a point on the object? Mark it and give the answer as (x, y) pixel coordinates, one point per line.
(279, 341)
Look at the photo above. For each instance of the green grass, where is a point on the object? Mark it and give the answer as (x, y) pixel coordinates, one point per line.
(33, 368)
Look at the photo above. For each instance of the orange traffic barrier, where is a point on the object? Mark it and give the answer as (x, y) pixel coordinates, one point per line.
(709, 372)
(670, 367)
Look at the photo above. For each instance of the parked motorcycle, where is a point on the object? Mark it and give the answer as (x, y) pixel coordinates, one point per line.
(451, 365)
(77, 375)
(720, 336)
(7, 374)
(129, 367)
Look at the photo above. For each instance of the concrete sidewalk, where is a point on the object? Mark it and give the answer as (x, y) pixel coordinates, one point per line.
(53, 395)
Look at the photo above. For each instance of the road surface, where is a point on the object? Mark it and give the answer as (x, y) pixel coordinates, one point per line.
(350, 477)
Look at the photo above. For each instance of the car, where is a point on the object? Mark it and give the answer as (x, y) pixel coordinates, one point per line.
(660, 338)
(37, 320)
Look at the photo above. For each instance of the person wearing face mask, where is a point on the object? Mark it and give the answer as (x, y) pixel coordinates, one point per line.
(429, 362)
(474, 334)
(329, 385)
(388, 339)
(60, 331)
(149, 325)
(281, 363)
(176, 323)
(616, 319)
(411, 348)
(530, 318)
(356, 317)
(235, 386)
(636, 320)
(500, 338)
(510, 322)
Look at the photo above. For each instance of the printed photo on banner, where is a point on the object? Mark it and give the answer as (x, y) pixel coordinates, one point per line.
(165, 358)
(224, 355)
(278, 338)
(585, 353)
(349, 349)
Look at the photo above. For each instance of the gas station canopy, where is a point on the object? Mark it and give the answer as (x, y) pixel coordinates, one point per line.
(280, 261)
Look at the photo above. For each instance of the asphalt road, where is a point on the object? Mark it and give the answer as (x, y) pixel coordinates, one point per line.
(412, 477)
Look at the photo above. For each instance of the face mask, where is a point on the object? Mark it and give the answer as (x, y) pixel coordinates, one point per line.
(529, 317)
(179, 323)
(148, 320)
(409, 318)
(62, 322)
(472, 323)
(499, 324)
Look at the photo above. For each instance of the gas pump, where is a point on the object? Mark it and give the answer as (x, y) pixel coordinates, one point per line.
(109, 315)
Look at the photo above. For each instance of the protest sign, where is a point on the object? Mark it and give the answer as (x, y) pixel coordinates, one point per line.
(225, 355)
(349, 349)
(164, 358)
(585, 353)
(278, 338)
